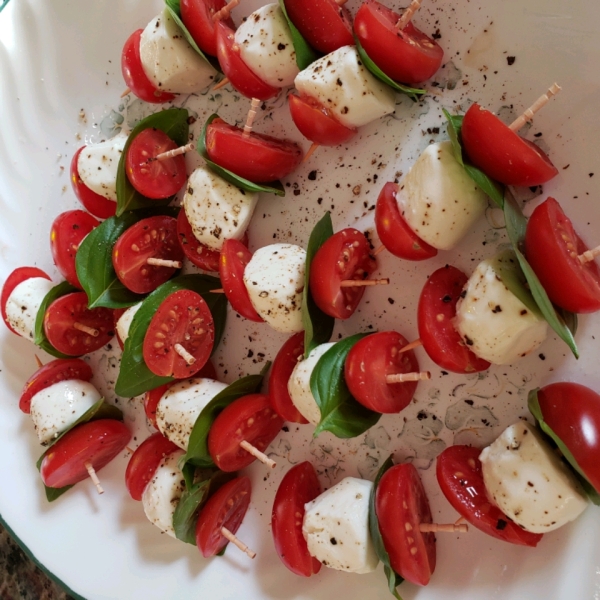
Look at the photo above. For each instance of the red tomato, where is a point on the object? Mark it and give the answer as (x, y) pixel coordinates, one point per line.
(282, 368)
(435, 314)
(368, 363)
(405, 55)
(185, 319)
(152, 178)
(344, 256)
(151, 400)
(134, 75)
(459, 474)
(501, 153)
(154, 237)
(98, 205)
(197, 16)
(19, 275)
(117, 314)
(66, 233)
(572, 411)
(393, 230)
(401, 506)
(299, 486)
(61, 369)
(249, 418)
(144, 461)
(552, 247)
(225, 508)
(96, 442)
(324, 24)
(241, 77)
(257, 157)
(70, 310)
(232, 262)
(316, 123)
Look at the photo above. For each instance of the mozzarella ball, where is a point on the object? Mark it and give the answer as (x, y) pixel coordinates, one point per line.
(125, 320)
(23, 304)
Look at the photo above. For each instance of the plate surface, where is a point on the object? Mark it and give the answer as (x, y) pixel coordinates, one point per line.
(60, 84)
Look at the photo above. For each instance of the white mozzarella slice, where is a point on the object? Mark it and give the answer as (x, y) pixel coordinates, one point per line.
(527, 480)
(216, 209)
(24, 302)
(274, 278)
(336, 527)
(266, 46)
(124, 322)
(169, 61)
(97, 166)
(180, 406)
(163, 492)
(437, 198)
(58, 406)
(299, 385)
(341, 83)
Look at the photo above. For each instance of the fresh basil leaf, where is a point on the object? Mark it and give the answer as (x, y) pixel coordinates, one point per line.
(305, 53)
(453, 127)
(318, 326)
(174, 122)
(341, 414)
(569, 318)
(535, 409)
(514, 219)
(135, 377)
(185, 516)
(53, 493)
(394, 580)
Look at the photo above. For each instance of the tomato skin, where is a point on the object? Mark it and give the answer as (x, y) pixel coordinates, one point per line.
(258, 158)
(199, 255)
(97, 442)
(225, 508)
(435, 314)
(134, 75)
(299, 486)
(401, 501)
(406, 55)
(66, 233)
(393, 230)
(98, 205)
(458, 472)
(282, 368)
(501, 153)
(151, 400)
(197, 15)
(316, 123)
(552, 246)
(344, 256)
(249, 418)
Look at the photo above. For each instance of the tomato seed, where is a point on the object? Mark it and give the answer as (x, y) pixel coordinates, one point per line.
(158, 344)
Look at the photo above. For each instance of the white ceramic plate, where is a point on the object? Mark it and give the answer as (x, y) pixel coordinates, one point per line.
(59, 85)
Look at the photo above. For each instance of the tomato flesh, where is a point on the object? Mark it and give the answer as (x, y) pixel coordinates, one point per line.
(460, 478)
(552, 247)
(95, 442)
(401, 506)
(249, 418)
(344, 256)
(197, 16)
(435, 314)
(225, 508)
(501, 153)
(299, 486)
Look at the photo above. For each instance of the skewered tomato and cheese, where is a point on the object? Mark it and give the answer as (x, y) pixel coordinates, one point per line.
(198, 17)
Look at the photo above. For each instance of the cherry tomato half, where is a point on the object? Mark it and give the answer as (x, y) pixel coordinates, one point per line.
(299, 486)
(249, 418)
(401, 506)
(66, 313)
(197, 16)
(199, 255)
(225, 508)
(182, 319)
(501, 153)
(154, 237)
(435, 314)
(344, 256)
(552, 247)
(393, 230)
(459, 474)
(95, 442)
(151, 400)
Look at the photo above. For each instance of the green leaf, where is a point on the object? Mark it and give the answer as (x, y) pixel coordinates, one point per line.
(53, 493)
(514, 219)
(318, 326)
(185, 516)
(174, 122)
(569, 318)
(305, 53)
(394, 580)
(453, 127)
(341, 414)
(135, 377)
(273, 187)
